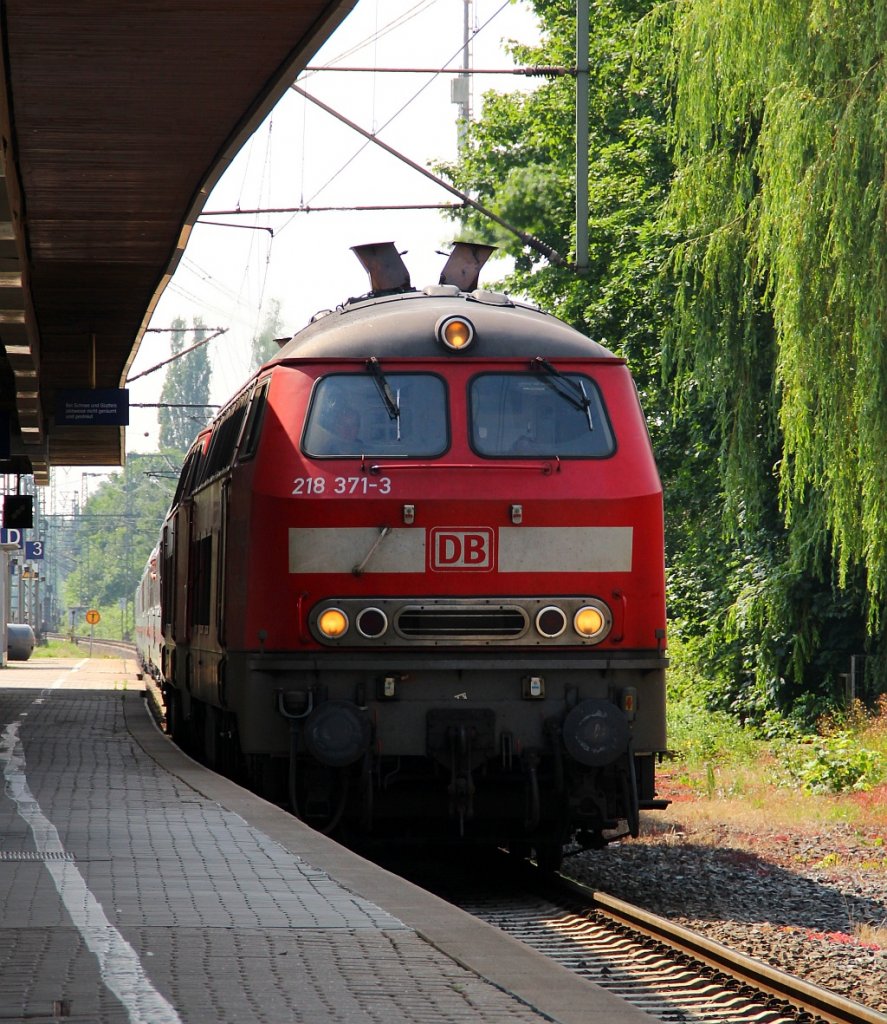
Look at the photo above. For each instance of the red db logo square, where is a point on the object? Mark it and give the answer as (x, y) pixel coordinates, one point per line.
(458, 550)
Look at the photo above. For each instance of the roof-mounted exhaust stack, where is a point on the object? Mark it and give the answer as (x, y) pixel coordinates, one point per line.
(386, 269)
(465, 264)
(388, 273)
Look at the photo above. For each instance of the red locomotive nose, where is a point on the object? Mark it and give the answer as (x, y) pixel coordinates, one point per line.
(413, 573)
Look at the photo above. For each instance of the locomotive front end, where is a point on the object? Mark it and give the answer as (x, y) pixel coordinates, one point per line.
(411, 582)
(473, 605)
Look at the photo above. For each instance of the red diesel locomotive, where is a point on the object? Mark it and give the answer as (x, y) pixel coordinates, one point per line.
(412, 576)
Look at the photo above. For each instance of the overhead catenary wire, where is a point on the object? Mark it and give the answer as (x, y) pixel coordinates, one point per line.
(246, 227)
(177, 288)
(529, 240)
(534, 71)
(434, 75)
(178, 355)
(235, 308)
(304, 208)
(380, 33)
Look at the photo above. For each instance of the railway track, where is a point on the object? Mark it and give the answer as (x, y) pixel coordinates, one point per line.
(752, 974)
(670, 972)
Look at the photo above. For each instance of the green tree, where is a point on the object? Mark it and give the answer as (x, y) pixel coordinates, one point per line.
(779, 205)
(115, 531)
(185, 392)
(264, 344)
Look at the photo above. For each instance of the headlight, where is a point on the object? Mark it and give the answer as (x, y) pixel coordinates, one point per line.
(455, 332)
(593, 621)
(332, 623)
(551, 622)
(371, 623)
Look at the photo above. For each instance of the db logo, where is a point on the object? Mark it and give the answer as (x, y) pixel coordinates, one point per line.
(461, 549)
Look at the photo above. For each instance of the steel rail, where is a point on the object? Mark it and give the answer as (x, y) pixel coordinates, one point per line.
(824, 1004)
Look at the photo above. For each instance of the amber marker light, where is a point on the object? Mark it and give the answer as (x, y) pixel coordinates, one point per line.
(455, 332)
(333, 623)
(590, 622)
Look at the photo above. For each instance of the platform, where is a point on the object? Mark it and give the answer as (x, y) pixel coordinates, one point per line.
(137, 886)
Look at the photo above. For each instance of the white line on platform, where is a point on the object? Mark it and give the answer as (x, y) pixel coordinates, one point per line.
(119, 964)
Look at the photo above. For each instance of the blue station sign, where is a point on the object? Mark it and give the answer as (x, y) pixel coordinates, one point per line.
(92, 407)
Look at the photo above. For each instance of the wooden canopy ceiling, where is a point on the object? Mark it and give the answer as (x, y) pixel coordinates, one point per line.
(116, 119)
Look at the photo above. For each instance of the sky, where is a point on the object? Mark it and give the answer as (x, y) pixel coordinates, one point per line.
(234, 268)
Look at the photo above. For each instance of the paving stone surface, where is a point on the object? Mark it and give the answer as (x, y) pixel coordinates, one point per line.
(127, 896)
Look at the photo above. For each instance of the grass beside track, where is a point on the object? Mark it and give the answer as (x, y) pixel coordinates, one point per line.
(67, 649)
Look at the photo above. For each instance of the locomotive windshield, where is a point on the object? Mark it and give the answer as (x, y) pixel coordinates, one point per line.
(350, 414)
(520, 414)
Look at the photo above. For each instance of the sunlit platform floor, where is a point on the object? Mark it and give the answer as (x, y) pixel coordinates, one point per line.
(137, 886)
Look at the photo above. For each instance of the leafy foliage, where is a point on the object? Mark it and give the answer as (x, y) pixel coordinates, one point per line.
(115, 532)
(186, 385)
(834, 764)
(702, 737)
(779, 201)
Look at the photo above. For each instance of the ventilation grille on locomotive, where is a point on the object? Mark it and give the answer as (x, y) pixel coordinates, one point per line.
(495, 622)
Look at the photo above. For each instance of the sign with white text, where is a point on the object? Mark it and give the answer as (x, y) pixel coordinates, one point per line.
(96, 407)
(34, 550)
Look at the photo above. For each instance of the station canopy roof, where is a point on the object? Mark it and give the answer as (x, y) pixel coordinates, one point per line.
(117, 119)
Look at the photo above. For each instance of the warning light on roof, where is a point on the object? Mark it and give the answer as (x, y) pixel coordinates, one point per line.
(455, 332)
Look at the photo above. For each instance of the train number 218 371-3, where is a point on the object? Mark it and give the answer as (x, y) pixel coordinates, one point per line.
(305, 485)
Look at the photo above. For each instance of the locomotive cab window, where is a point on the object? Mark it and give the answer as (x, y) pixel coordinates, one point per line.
(377, 414)
(253, 427)
(187, 475)
(546, 414)
(221, 445)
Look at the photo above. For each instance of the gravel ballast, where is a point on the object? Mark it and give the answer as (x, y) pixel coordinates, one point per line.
(799, 901)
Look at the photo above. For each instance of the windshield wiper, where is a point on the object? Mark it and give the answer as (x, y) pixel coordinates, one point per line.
(384, 387)
(392, 403)
(570, 390)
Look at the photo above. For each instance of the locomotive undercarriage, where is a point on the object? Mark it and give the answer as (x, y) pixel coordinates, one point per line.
(528, 807)
(485, 750)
